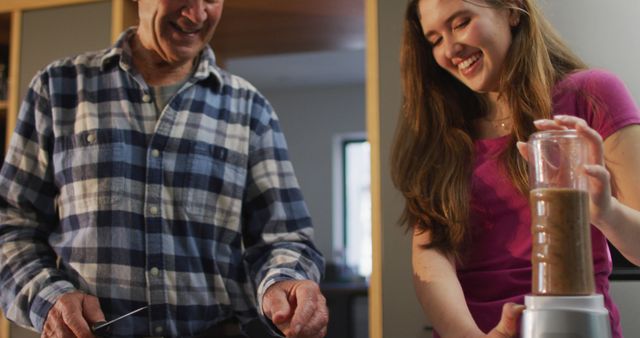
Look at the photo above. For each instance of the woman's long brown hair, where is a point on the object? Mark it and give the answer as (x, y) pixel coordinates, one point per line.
(433, 149)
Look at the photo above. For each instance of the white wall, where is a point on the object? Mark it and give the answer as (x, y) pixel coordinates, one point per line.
(626, 294)
(603, 33)
(310, 117)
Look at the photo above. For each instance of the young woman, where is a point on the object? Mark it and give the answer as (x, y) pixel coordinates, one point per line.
(479, 76)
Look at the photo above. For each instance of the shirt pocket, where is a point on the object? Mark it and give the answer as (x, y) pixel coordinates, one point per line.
(89, 168)
(215, 180)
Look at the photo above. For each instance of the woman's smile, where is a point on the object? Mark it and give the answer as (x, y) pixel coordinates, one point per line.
(467, 66)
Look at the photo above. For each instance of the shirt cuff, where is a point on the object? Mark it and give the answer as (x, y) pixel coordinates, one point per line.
(45, 299)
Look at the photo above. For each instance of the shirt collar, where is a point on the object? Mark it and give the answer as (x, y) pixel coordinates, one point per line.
(120, 54)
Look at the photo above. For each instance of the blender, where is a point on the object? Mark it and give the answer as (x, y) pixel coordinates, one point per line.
(563, 302)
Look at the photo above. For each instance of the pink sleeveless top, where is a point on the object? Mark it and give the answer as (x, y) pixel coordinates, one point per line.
(498, 266)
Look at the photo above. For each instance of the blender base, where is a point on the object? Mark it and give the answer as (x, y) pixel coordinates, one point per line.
(565, 317)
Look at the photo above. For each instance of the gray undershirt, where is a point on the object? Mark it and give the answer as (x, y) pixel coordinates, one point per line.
(162, 95)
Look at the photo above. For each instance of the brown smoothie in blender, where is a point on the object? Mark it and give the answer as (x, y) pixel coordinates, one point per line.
(561, 254)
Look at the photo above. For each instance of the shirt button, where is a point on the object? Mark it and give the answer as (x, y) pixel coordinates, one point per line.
(91, 138)
(154, 271)
(155, 153)
(146, 98)
(159, 329)
(153, 210)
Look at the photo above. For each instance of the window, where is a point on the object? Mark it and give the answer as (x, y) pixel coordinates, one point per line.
(352, 203)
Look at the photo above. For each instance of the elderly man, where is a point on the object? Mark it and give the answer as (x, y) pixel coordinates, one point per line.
(145, 177)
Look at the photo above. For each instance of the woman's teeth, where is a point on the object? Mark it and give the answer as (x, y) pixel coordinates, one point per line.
(468, 62)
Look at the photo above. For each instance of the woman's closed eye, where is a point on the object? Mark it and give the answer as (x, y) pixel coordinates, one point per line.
(460, 24)
(434, 41)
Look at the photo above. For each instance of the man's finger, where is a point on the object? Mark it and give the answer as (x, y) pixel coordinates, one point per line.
(91, 309)
(77, 324)
(56, 329)
(307, 299)
(317, 325)
(275, 305)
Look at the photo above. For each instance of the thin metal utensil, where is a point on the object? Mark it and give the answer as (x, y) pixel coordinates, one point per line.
(103, 327)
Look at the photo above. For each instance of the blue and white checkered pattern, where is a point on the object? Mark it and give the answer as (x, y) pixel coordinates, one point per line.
(190, 213)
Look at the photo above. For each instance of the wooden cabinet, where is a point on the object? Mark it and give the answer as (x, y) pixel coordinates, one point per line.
(15, 41)
(5, 34)
(34, 33)
(9, 20)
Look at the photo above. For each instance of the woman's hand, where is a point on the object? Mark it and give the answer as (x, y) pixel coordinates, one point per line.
(599, 177)
(508, 325)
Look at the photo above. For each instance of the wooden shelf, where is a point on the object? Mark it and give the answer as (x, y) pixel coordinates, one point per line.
(3, 104)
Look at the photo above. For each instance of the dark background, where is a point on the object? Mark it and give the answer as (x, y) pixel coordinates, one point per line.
(622, 268)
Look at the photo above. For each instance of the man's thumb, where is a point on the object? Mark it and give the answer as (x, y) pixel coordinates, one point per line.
(276, 306)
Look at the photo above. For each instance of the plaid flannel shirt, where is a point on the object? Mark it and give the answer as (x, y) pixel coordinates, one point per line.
(194, 213)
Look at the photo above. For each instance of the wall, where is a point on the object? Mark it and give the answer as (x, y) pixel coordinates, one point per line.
(626, 295)
(310, 117)
(52, 33)
(603, 33)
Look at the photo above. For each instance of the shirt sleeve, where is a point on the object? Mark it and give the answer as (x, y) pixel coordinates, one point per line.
(277, 227)
(606, 102)
(30, 281)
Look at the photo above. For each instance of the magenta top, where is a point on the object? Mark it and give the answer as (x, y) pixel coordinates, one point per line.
(498, 268)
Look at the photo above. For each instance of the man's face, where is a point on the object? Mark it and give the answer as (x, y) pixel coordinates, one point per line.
(177, 30)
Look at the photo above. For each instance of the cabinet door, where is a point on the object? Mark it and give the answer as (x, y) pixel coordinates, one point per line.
(52, 33)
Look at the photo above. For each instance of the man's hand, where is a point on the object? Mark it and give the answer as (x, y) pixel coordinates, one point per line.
(297, 308)
(71, 316)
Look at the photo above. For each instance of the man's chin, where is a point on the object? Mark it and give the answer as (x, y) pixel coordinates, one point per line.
(179, 59)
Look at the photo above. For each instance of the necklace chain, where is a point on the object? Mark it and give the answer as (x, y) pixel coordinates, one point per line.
(508, 117)
(503, 122)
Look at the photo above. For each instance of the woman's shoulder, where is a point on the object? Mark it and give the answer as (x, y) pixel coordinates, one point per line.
(593, 85)
(598, 96)
(591, 80)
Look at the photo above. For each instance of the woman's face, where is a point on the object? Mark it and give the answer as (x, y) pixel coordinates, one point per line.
(469, 40)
